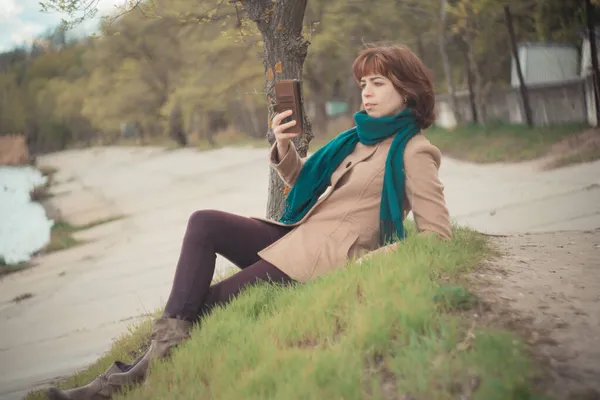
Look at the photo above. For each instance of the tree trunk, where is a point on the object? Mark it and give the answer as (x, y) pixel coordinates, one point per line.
(446, 62)
(176, 128)
(478, 84)
(321, 119)
(258, 116)
(280, 25)
(353, 95)
(421, 48)
(313, 80)
(474, 117)
(139, 127)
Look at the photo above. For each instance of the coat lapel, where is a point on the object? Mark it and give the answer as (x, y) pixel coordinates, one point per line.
(360, 154)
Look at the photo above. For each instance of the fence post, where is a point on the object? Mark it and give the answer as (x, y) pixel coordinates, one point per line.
(589, 10)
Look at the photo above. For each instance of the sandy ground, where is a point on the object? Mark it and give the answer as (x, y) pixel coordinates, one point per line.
(546, 286)
(84, 297)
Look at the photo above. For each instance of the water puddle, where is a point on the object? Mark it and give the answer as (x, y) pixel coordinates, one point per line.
(24, 227)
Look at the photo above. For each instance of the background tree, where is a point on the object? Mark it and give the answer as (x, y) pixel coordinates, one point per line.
(215, 61)
(176, 125)
(280, 25)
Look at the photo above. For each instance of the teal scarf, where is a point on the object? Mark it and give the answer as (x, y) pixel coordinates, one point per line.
(315, 175)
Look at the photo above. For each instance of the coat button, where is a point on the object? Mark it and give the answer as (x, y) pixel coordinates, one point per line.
(349, 164)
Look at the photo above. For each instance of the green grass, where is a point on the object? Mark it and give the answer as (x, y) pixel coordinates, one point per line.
(499, 142)
(61, 238)
(41, 193)
(6, 269)
(394, 325)
(61, 234)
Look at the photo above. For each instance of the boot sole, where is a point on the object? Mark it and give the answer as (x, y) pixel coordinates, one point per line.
(56, 394)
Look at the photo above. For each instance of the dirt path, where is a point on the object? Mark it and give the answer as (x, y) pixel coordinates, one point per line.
(84, 297)
(546, 286)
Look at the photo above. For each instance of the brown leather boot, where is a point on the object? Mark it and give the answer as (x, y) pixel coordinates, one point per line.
(98, 389)
(166, 334)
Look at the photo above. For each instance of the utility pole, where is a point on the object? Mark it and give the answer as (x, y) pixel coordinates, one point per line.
(513, 45)
(589, 10)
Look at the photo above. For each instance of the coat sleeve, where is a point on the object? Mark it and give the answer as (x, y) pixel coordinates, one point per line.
(288, 167)
(424, 190)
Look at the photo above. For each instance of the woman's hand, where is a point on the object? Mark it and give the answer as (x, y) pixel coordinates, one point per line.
(283, 139)
(385, 249)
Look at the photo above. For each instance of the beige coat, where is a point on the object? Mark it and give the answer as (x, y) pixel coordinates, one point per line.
(344, 223)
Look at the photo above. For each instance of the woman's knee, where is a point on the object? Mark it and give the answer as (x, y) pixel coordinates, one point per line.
(203, 221)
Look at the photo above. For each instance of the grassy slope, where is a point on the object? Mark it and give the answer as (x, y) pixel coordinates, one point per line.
(379, 330)
(499, 142)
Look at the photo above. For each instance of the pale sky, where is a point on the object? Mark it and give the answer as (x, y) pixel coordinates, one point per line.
(22, 20)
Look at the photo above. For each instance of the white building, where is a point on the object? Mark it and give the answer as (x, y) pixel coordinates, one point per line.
(545, 63)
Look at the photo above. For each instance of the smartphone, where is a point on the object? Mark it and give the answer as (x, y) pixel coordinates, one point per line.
(287, 97)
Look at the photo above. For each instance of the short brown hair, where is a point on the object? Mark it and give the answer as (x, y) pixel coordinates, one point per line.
(411, 78)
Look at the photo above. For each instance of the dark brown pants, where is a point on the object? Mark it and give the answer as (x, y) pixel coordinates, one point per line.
(236, 238)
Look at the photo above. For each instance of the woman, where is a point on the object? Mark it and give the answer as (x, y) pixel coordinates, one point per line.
(350, 198)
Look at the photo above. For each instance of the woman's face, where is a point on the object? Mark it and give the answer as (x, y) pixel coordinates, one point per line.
(379, 96)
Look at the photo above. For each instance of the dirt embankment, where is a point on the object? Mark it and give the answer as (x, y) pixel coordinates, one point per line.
(546, 286)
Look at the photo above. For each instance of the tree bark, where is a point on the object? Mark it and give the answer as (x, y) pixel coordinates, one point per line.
(446, 62)
(280, 24)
